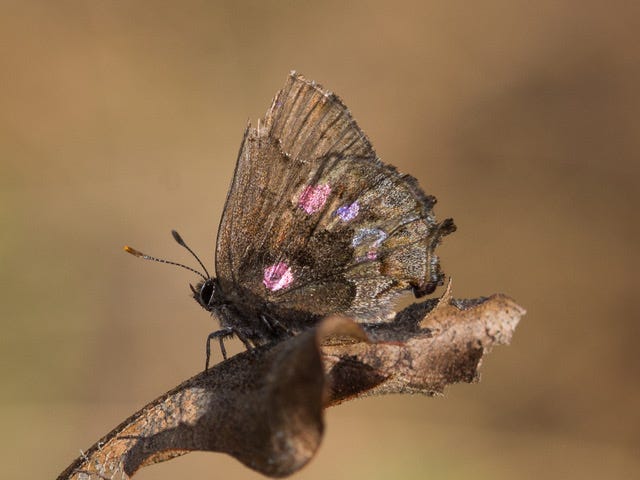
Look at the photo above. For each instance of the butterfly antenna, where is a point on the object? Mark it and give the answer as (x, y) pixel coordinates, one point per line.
(178, 238)
(144, 256)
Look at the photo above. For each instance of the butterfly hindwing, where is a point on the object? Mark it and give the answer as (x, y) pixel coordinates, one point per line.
(316, 224)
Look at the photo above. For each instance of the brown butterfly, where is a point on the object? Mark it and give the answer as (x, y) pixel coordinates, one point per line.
(315, 224)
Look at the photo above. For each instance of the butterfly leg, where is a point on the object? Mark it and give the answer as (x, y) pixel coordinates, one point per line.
(243, 338)
(220, 335)
(273, 324)
(267, 322)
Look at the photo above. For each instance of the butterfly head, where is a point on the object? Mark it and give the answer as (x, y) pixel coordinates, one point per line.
(205, 293)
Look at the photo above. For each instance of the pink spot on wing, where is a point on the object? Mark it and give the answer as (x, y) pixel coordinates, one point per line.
(348, 212)
(277, 276)
(313, 198)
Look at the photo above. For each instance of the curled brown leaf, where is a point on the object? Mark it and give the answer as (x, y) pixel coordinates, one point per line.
(265, 407)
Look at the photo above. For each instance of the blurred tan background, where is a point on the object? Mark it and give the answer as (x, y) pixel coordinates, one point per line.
(121, 120)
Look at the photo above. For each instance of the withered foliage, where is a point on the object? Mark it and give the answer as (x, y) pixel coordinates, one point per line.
(265, 407)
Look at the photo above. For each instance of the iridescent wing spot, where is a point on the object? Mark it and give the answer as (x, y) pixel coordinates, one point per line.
(314, 197)
(369, 239)
(348, 212)
(277, 276)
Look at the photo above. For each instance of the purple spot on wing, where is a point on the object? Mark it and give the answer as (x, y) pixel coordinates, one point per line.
(348, 212)
(313, 198)
(277, 276)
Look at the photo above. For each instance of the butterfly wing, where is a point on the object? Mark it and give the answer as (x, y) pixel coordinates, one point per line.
(315, 223)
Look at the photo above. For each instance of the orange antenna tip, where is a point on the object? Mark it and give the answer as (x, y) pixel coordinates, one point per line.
(144, 256)
(133, 251)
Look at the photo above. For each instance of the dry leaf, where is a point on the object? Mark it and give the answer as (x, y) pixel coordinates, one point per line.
(265, 407)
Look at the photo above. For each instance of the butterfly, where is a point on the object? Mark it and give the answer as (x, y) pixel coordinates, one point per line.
(315, 224)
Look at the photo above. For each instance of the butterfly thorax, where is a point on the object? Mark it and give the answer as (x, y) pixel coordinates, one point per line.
(247, 314)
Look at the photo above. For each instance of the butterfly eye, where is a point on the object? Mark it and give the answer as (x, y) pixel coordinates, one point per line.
(206, 292)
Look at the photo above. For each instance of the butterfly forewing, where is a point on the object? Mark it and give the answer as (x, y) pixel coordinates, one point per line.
(316, 224)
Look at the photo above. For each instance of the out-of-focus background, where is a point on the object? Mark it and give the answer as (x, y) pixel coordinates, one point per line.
(121, 120)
